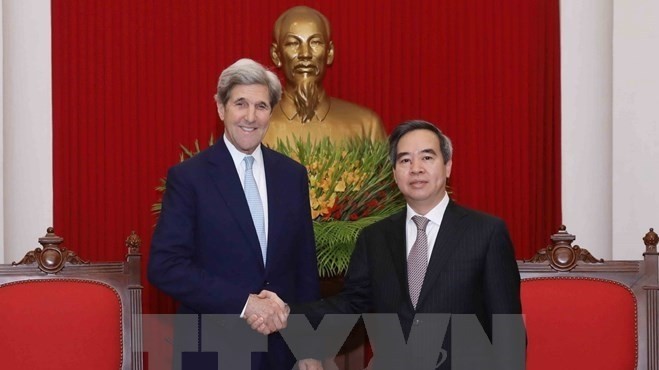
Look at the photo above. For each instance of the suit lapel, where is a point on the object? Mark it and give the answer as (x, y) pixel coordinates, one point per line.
(396, 243)
(224, 176)
(276, 200)
(450, 231)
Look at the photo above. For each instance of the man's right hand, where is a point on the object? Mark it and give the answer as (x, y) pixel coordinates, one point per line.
(266, 312)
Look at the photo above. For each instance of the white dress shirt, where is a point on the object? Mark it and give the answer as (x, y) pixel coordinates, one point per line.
(258, 169)
(432, 229)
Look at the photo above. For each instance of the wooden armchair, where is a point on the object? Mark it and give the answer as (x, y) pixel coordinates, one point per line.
(585, 313)
(60, 312)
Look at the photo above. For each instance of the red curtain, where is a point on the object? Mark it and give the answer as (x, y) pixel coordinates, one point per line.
(134, 79)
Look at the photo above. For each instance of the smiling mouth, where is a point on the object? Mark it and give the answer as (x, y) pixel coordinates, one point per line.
(418, 183)
(247, 129)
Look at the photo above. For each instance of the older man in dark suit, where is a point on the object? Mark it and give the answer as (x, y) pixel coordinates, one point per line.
(236, 220)
(434, 257)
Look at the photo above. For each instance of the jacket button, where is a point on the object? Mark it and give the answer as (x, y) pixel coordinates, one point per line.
(417, 322)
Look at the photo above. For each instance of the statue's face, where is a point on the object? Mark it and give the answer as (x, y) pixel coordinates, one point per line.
(303, 49)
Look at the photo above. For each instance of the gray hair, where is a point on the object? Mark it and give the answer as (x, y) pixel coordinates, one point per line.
(247, 72)
(445, 145)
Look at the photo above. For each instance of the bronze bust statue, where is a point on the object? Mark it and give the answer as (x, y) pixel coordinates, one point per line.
(302, 47)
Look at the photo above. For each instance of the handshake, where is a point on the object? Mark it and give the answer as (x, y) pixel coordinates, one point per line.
(266, 312)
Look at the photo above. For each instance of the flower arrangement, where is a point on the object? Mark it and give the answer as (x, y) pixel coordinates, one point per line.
(350, 187)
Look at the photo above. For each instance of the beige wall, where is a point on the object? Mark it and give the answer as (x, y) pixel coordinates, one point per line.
(635, 123)
(586, 94)
(26, 125)
(610, 126)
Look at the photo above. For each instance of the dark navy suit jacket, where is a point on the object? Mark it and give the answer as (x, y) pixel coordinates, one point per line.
(205, 251)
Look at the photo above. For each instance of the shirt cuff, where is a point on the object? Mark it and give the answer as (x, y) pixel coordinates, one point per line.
(242, 313)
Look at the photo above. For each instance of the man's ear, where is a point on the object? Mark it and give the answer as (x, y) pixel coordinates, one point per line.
(330, 53)
(220, 111)
(274, 55)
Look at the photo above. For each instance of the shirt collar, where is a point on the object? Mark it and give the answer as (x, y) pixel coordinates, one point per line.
(287, 107)
(238, 156)
(435, 215)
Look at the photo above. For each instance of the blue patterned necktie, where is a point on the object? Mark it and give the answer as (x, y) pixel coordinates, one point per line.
(417, 261)
(255, 205)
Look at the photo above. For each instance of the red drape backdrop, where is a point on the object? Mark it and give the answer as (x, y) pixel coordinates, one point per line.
(134, 79)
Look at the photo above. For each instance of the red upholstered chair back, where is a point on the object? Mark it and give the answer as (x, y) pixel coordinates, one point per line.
(59, 312)
(583, 313)
(80, 322)
(600, 321)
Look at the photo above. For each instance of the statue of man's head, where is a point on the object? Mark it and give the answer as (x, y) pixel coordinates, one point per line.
(302, 48)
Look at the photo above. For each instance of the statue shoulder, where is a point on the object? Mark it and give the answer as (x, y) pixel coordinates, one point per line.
(370, 122)
(341, 105)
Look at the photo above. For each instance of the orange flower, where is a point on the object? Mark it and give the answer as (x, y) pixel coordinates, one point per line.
(340, 187)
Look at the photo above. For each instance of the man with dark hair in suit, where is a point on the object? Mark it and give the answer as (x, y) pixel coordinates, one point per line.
(434, 257)
(236, 220)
